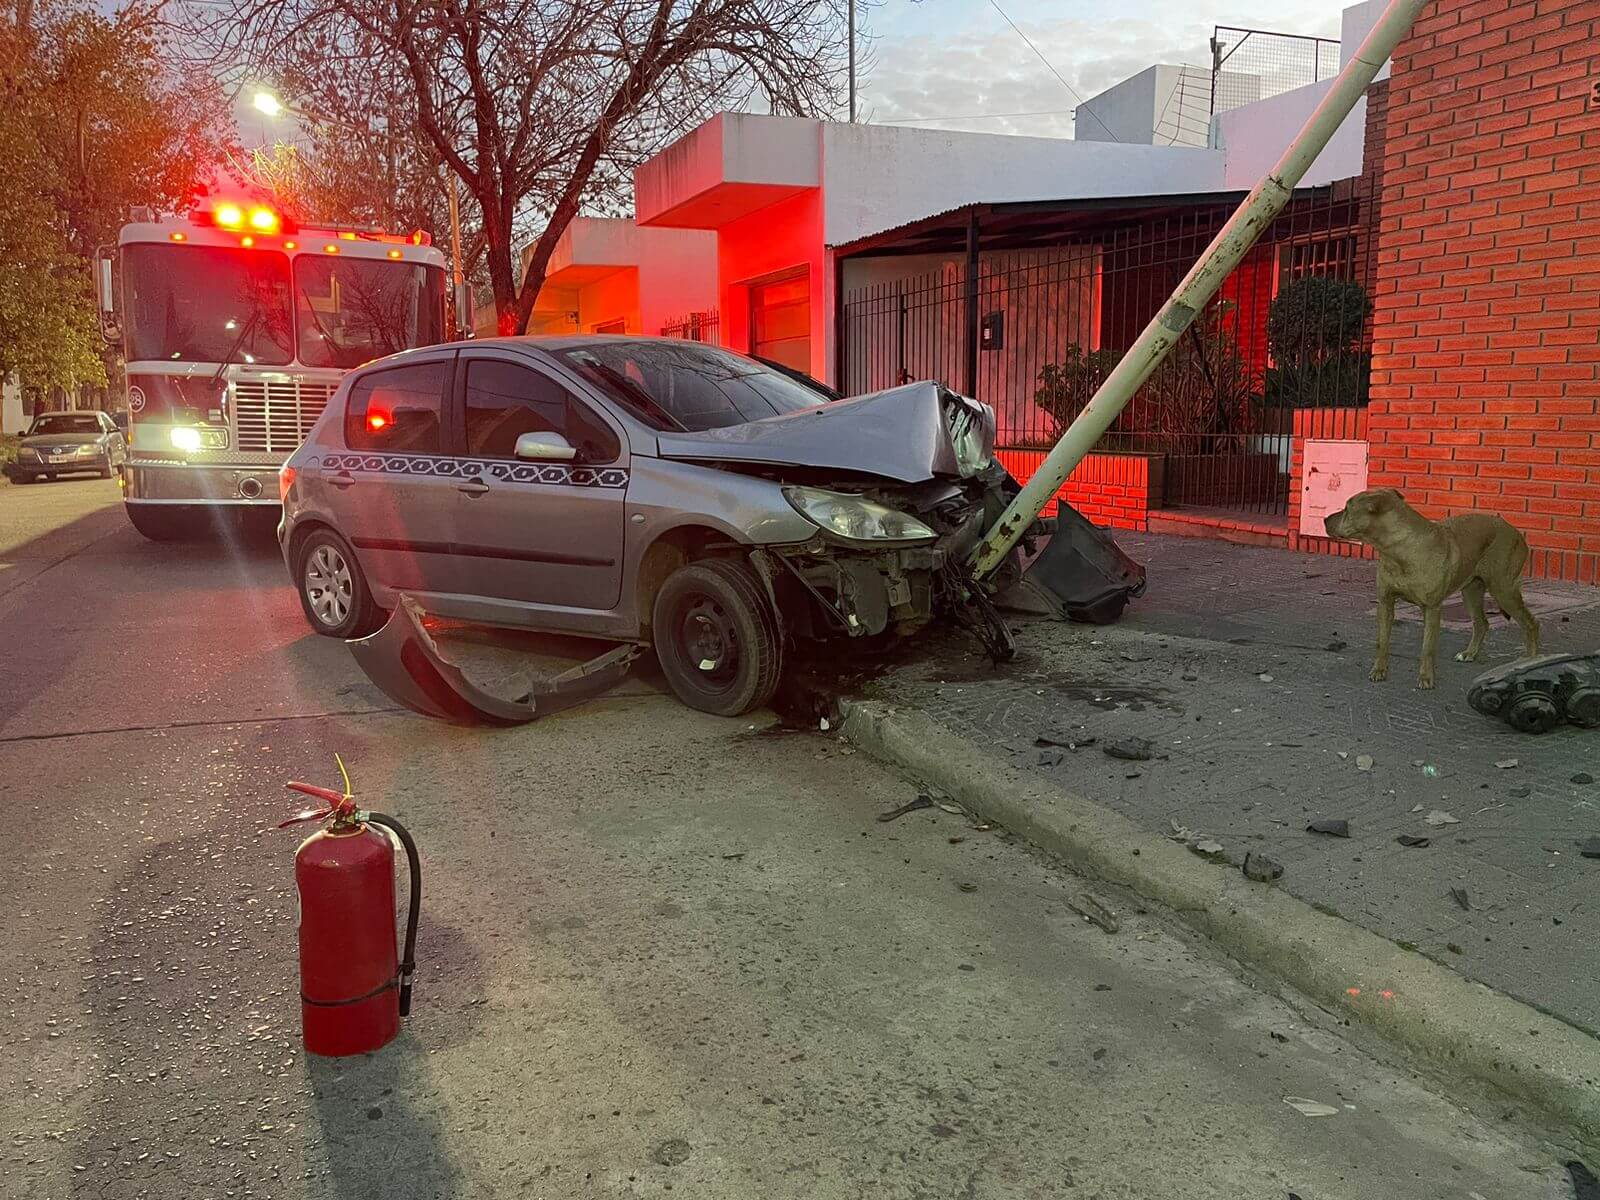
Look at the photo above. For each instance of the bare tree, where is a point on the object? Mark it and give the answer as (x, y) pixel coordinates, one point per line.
(540, 108)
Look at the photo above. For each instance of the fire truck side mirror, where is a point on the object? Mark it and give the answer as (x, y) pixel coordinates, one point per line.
(106, 296)
(466, 313)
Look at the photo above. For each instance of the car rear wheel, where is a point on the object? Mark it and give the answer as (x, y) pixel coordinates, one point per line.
(717, 638)
(333, 591)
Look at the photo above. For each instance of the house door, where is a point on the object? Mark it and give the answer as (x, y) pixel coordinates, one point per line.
(780, 321)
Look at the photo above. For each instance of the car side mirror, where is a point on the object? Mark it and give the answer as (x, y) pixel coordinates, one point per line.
(545, 447)
(106, 296)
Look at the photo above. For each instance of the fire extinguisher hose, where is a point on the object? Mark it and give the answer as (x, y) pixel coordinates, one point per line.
(408, 960)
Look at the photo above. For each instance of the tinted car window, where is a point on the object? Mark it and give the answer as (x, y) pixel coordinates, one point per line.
(505, 401)
(685, 385)
(397, 410)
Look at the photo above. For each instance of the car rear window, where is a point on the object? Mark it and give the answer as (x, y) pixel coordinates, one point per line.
(397, 410)
(686, 385)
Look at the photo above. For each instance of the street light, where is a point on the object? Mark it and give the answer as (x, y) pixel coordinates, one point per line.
(267, 104)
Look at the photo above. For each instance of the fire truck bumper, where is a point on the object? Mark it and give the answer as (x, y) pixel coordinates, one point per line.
(146, 482)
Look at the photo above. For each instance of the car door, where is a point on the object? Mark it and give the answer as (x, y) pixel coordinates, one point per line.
(116, 447)
(392, 489)
(546, 532)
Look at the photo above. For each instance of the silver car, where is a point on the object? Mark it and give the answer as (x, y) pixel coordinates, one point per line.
(637, 489)
(70, 443)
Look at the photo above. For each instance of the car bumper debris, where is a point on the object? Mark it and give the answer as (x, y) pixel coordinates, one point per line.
(404, 662)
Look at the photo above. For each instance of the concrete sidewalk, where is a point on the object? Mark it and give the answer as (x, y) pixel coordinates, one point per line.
(1247, 670)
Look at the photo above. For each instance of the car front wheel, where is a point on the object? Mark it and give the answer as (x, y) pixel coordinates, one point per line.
(333, 591)
(717, 638)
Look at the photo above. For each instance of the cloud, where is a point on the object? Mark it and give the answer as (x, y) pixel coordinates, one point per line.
(986, 68)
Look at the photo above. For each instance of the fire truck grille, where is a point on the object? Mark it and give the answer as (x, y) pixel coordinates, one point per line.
(274, 418)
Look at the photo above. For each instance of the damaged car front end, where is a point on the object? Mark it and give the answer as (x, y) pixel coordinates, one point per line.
(687, 499)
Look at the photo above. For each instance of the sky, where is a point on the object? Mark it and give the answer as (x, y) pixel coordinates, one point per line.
(959, 58)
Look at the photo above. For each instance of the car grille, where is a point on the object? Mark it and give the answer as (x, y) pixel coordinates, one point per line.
(274, 417)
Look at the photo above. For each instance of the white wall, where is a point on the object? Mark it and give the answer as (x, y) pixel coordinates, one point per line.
(1124, 112)
(1254, 136)
(11, 418)
(1354, 25)
(877, 177)
(1164, 105)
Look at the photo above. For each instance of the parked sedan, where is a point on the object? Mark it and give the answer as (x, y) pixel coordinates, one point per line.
(69, 443)
(637, 489)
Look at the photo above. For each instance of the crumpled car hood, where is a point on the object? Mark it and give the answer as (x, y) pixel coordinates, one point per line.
(900, 434)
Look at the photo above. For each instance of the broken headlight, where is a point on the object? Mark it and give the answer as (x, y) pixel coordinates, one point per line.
(856, 520)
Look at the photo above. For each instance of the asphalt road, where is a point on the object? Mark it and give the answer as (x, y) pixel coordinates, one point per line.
(660, 952)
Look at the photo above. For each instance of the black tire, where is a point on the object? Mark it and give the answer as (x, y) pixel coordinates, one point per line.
(715, 612)
(333, 591)
(164, 523)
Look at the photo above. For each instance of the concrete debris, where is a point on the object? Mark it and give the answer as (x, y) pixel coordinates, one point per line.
(1590, 848)
(1207, 846)
(1583, 777)
(1414, 842)
(1132, 749)
(1091, 910)
(1505, 764)
(1332, 826)
(1439, 817)
(672, 1153)
(1261, 868)
(1364, 762)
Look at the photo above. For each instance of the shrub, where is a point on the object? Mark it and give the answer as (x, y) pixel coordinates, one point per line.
(1314, 329)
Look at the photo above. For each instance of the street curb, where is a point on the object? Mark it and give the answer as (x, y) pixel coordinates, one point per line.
(1450, 1023)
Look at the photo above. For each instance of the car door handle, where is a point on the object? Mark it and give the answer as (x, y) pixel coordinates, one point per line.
(342, 480)
(473, 487)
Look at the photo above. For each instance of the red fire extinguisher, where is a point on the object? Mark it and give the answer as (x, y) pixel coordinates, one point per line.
(353, 992)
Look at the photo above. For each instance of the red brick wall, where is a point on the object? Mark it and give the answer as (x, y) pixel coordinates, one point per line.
(1110, 489)
(1486, 367)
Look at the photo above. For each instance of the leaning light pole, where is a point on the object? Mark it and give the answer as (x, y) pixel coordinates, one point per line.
(1230, 245)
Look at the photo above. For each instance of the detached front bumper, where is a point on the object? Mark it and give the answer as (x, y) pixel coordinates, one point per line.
(152, 482)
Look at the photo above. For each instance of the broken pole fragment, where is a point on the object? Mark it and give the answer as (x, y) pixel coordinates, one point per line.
(1227, 249)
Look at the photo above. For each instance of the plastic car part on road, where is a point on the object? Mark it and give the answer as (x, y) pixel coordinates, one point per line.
(403, 661)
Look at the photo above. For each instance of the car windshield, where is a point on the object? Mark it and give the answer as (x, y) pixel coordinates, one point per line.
(66, 423)
(207, 304)
(686, 385)
(350, 310)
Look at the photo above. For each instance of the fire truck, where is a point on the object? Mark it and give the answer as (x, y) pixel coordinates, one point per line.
(236, 324)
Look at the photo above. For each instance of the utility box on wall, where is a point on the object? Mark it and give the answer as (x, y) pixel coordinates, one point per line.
(1334, 471)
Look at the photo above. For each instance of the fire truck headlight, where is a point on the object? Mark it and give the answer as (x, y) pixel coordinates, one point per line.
(186, 439)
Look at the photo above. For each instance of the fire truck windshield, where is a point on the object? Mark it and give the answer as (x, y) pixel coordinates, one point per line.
(351, 310)
(199, 303)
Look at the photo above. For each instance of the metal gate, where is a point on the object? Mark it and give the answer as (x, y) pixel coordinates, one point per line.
(1282, 352)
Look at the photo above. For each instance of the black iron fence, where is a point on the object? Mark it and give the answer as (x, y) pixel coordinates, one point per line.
(1281, 352)
(1254, 64)
(695, 327)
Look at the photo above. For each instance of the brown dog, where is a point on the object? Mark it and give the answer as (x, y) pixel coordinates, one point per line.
(1427, 562)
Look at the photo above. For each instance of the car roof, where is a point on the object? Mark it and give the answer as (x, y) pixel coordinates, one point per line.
(570, 341)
